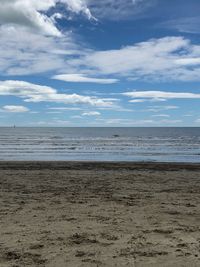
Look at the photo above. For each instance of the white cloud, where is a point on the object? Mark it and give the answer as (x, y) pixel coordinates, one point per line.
(78, 6)
(31, 41)
(175, 58)
(37, 93)
(118, 9)
(139, 56)
(137, 100)
(15, 109)
(54, 123)
(185, 24)
(161, 108)
(33, 14)
(149, 100)
(161, 95)
(161, 115)
(26, 13)
(188, 61)
(144, 122)
(80, 78)
(25, 52)
(117, 108)
(91, 113)
(65, 108)
(168, 122)
(172, 58)
(128, 122)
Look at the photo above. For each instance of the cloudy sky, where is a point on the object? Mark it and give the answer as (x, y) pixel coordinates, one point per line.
(99, 63)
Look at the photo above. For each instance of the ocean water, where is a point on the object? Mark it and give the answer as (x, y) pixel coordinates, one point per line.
(101, 144)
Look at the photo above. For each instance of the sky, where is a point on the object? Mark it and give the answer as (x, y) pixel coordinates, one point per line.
(98, 63)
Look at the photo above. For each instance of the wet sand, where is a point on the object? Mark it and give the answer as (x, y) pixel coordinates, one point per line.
(60, 214)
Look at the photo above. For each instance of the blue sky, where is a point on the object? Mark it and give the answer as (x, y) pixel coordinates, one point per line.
(99, 63)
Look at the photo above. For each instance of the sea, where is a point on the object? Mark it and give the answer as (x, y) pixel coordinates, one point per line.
(100, 144)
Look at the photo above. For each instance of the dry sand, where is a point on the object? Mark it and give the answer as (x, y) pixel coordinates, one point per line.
(99, 214)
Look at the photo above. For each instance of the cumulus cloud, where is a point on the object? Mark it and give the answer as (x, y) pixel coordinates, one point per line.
(188, 61)
(36, 45)
(15, 109)
(30, 92)
(78, 6)
(31, 40)
(172, 58)
(33, 14)
(80, 78)
(175, 58)
(24, 52)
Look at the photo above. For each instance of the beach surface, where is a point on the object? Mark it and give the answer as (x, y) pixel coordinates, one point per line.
(60, 214)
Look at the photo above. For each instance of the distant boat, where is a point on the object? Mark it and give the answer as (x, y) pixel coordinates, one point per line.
(14, 126)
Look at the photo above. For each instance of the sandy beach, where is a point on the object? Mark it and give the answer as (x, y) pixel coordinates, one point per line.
(60, 214)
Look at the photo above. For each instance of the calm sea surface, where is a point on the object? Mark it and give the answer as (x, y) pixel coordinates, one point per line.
(101, 144)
